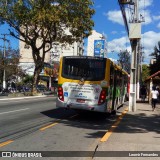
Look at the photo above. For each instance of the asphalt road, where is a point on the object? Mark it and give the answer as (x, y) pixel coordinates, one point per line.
(37, 125)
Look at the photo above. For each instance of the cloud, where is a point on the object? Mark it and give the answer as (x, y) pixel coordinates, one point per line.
(113, 60)
(149, 41)
(145, 3)
(115, 16)
(156, 18)
(114, 32)
(158, 26)
(147, 17)
(119, 44)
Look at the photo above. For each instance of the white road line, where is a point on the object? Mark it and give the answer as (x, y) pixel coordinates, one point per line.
(14, 111)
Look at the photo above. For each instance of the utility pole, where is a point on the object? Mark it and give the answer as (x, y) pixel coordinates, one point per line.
(138, 69)
(134, 35)
(4, 59)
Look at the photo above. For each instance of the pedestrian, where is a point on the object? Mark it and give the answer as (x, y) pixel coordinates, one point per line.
(143, 93)
(157, 88)
(154, 96)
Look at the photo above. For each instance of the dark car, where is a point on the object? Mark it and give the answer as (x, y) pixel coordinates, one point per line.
(41, 88)
(23, 88)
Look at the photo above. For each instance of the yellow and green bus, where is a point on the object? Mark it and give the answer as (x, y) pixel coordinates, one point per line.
(91, 83)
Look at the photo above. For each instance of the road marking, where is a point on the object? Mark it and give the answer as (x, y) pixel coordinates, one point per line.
(5, 143)
(14, 111)
(49, 126)
(113, 127)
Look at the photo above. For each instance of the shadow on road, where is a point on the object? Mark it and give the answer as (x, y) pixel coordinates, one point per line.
(142, 121)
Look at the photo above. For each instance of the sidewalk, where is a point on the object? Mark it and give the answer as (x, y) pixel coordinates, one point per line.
(137, 131)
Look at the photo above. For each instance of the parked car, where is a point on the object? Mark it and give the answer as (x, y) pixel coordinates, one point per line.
(23, 89)
(41, 88)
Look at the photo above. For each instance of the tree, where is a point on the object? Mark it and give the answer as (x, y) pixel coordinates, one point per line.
(125, 60)
(27, 79)
(156, 52)
(156, 55)
(145, 72)
(46, 21)
(9, 63)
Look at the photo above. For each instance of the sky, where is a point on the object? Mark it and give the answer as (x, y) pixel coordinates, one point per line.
(109, 22)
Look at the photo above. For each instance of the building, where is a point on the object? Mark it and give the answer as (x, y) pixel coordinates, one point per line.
(152, 61)
(26, 60)
(96, 45)
(52, 59)
(58, 50)
(153, 80)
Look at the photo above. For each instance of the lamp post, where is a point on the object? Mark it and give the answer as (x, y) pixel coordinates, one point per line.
(4, 59)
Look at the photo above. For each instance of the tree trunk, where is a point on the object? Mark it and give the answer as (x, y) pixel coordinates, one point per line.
(39, 63)
(37, 71)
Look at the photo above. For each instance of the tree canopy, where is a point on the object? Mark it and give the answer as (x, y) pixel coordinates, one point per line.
(9, 63)
(47, 21)
(156, 55)
(125, 60)
(145, 72)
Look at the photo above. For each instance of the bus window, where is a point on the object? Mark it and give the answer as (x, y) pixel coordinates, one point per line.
(89, 69)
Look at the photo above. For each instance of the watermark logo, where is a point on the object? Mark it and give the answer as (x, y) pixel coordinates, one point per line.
(6, 154)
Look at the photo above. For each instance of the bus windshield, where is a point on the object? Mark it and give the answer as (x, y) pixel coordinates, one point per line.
(88, 68)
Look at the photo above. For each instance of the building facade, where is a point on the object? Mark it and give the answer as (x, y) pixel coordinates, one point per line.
(97, 45)
(49, 74)
(58, 50)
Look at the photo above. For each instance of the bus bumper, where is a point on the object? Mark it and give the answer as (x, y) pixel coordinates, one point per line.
(94, 108)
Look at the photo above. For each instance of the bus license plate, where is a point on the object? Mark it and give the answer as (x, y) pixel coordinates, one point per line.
(81, 100)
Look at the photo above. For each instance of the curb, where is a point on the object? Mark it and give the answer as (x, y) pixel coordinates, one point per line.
(3, 99)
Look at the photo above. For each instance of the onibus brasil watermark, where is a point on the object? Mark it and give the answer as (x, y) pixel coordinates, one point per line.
(39, 154)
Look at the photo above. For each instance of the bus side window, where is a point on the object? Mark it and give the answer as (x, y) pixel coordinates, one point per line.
(111, 75)
(111, 80)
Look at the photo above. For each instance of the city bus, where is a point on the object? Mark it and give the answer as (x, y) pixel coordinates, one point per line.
(91, 83)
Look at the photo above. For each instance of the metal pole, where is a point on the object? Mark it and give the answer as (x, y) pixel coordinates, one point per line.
(132, 98)
(138, 69)
(138, 50)
(4, 57)
(133, 80)
(50, 76)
